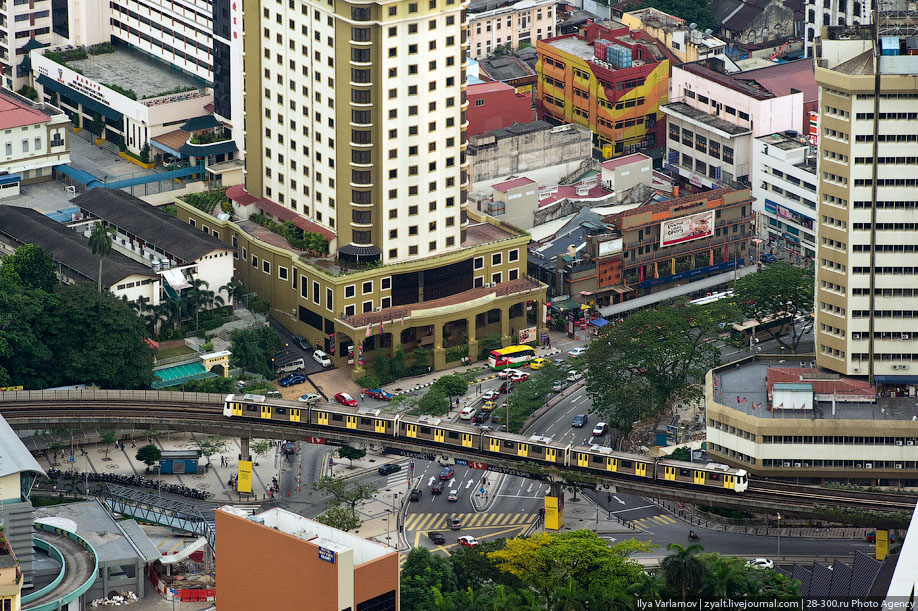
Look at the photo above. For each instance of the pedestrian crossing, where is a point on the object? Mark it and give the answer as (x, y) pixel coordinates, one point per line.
(440, 521)
(651, 521)
(399, 478)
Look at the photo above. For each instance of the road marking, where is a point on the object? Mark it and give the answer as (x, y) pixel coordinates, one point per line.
(529, 489)
(619, 500)
(417, 538)
(430, 481)
(452, 482)
(633, 508)
(469, 484)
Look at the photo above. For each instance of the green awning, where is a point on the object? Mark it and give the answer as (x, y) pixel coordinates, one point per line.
(173, 376)
(563, 306)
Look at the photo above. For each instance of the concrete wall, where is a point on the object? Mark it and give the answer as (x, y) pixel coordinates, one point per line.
(531, 151)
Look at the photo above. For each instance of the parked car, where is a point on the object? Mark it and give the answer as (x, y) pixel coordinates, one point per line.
(574, 376)
(454, 524)
(301, 342)
(579, 421)
(558, 386)
(240, 384)
(293, 378)
(453, 496)
(436, 488)
(506, 387)
(415, 495)
(519, 377)
(447, 473)
(538, 363)
(761, 563)
(321, 358)
(379, 393)
(467, 541)
(577, 352)
(872, 537)
(390, 468)
(436, 537)
(310, 397)
(600, 429)
(273, 394)
(289, 365)
(345, 399)
(503, 374)
(490, 395)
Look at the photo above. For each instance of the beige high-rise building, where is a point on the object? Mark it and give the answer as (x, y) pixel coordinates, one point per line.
(867, 221)
(358, 123)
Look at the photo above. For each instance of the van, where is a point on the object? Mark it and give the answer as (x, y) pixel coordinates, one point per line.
(574, 376)
(291, 366)
(321, 358)
(467, 413)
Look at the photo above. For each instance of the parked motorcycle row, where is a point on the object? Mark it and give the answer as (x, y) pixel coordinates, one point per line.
(129, 480)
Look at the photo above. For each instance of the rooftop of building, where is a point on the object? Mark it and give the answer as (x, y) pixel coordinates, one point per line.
(94, 523)
(135, 216)
(511, 131)
(785, 78)
(28, 226)
(656, 18)
(709, 120)
(514, 183)
(505, 68)
(737, 15)
(572, 45)
(783, 142)
(17, 111)
(578, 192)
(135, 71)
(478, 7)
(7, 561)
(315, 532)
(618, 162)
(745, 388)
(488, 87)
(15, 457)
(664, 205)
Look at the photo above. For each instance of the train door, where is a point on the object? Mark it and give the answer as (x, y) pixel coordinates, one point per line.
(294, 414)
(522, 449)
(379, 426)
(439, 435)
(611, 464)
(698, 478)
(411, 430)
(350, 422)
(551, 455)
(494, 445)
(669, 473)
(235, 409)
(640, 468)
(583, 460)
(266, 411)
(728, 482)
(322, 418)
(467, 440)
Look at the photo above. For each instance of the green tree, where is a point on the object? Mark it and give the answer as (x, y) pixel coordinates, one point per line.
(777, 291)
(31, 267)
(108, 437)
(681, 454)
(149, 455)
(340, 517)
(452, 385)
(96, 338)
(433, 403)
(488, 343)
(647, 360)
(683, 570)
(210, 446)
(345, 495)
(351, 454)
(474, 570)
(100, 242)
(421, 574)
(235, 290)
(260, 447)
(145, 152)
(23, 351)
(253, 349)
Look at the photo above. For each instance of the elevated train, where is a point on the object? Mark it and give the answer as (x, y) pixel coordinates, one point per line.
(439, 433)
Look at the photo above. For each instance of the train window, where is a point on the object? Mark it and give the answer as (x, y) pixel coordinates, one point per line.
(251, 408)
(337, 417)
(509, 444)
(280, 410)
(597, 459)
(683, 472)
(425, 430)
(453, 435)
(627, 464)
(364, 421)
(715, 476)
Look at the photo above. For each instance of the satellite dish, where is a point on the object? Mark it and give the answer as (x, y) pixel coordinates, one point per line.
(692, 26)
(708, 32)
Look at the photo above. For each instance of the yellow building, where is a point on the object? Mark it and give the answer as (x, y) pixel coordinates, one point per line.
(687, 43)
(10, 577)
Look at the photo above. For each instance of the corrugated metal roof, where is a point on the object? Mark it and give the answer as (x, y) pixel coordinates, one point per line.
(14, 457)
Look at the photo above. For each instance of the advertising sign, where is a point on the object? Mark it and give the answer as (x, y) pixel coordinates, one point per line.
(527, 335)
(882, 544)
(245, 476)
(326, 554)
(687, 228)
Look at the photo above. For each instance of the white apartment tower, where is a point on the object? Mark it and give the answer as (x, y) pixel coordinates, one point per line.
(867, 231)
(821, 13)
(355, 120)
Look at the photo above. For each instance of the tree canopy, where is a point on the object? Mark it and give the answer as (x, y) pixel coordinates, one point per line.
(344, 497)
(30, 267)
(148, 454)
(650, 358)
(778, 290)
(253, 349)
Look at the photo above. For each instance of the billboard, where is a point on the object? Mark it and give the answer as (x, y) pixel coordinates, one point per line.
(245, 476)
(687, 228)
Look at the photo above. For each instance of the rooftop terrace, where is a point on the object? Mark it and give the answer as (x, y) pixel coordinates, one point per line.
(135, 71)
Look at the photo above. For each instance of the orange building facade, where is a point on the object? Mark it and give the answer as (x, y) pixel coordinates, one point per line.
(280, 560)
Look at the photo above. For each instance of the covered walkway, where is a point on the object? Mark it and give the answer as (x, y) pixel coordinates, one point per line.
(173, 376)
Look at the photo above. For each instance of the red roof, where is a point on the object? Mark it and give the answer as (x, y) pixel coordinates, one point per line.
(239, 195)
(611, 164)
(505, 186)
(827, 385)
(488, 87)
(781, 78)
(570, 192)
(15, 113)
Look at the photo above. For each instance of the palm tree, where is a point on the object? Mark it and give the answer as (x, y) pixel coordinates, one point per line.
(684, 570)
(158, 314)
(100, 241)
(196, 297)
(234, 289)
(645, 587)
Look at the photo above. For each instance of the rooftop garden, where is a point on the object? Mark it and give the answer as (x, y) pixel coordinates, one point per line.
(205, 201)
(209, 137)
(315, 243)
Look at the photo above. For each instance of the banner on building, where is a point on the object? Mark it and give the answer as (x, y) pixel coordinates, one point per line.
(527, 335)
(350, 354)
(686, 228)
(245, 476)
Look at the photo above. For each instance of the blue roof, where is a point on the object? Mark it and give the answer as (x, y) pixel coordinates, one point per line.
(208, 150)
(8, 178)
(81, 176)
(792, 386)
(65, 215)
(599, 322)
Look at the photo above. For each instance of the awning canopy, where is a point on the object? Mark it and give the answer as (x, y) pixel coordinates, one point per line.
(176, 279)
(81, 176)
(356, 253)
(599, 322)
(82, 99)
(208, 150)
(567, 304)
(173, 376)
(198, 123)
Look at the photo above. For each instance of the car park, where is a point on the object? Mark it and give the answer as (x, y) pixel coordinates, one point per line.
(447, 473)
(286, 364)
(310, 397)
(600, 429)
(301, 342)
(579, 421)
(519, 377)
(345, 399)
(490, 395)
(761, 563)
(321, 358)
(379, 393)
(436, 537)
(436, 488)
(293, 378)
(558, 386)
(574, 376)
(390, 468)
(503, 374)
(506, 387)
(415, 495)
(538, 363)
(577, 352)
(453, 496)
(467, 541)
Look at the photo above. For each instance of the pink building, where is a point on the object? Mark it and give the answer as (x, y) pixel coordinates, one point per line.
(494, 105)
(499, 24)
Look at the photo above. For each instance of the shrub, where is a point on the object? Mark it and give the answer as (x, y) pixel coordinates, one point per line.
(101, 48)
(28, 91)
(369, 381)
(206, 200)
(259, 305)
(456, 353)
(296, 237)
(130, 93)
(207, 347)
(145, 153)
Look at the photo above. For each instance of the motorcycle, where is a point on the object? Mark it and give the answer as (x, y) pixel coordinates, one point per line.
(693, 535)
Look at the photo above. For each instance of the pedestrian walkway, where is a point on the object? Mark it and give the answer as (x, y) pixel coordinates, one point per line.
(644, 524)
(440, 521)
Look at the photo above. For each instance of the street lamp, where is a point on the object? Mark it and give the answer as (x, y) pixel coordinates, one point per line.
(388, 526)
(779, 535)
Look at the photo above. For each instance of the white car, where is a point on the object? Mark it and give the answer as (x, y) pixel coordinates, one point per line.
(761, 563)
(577, 352)
(508, 373)
(574, 376)
(491, 395)
(321, 358)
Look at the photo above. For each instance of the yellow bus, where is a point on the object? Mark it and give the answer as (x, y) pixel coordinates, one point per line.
(510, 356)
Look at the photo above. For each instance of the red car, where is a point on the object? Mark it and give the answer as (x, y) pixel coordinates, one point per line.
(519, 377)
(345, 399)
(467, 541)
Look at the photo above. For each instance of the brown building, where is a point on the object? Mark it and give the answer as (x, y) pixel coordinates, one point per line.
(280, 560)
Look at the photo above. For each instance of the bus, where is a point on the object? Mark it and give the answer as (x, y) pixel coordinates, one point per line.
(770, 328)
(510, 356)
(711, 298)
